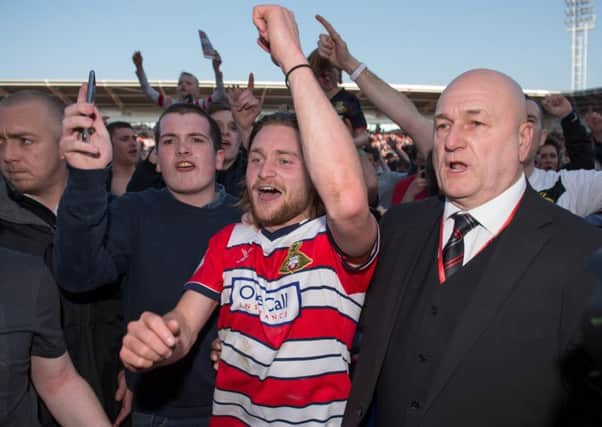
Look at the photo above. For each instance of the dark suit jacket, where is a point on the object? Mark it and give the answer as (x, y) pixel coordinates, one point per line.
(502, 364)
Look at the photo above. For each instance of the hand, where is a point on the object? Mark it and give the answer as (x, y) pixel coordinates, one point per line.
(557, 105)
(245, 107)
(137, 59)
(125, 396)
(97, 153)
(216, 352)
(278, 35)
(149, 341)
(332, 47)
(217, 61)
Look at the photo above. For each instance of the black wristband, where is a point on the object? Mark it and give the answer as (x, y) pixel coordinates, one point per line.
(293, 69)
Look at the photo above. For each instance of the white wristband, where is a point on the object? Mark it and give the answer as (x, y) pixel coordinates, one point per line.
(359, 70)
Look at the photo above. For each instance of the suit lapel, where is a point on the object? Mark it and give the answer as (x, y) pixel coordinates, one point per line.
(514, 252)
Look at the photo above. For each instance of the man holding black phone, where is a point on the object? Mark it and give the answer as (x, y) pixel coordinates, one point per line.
(152, 239)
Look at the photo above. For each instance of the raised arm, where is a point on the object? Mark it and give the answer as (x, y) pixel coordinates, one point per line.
(392, 103)
(245, 108)
(89, 250)
(158, 98)
(576, 139)
(330, 156)
(219, 92)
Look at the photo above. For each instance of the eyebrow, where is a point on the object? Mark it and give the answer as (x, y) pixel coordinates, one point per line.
(17, 134)
(469, 112)
(188, 134)
(279, 152)
(288, 153)
(442, 116)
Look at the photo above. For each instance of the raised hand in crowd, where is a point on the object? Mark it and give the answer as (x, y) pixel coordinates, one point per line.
(332, 47)
(281, 38)
(217, 62)
(557, 105)
(137, 59)
(97, 153)
(392, 103)
(245, 108)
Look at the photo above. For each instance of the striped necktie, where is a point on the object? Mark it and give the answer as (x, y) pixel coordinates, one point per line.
(453, 253)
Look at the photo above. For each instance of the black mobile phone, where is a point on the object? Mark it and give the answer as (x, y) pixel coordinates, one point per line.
(90, 95)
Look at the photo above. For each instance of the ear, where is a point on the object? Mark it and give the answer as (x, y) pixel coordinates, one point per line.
(525, 139)
(219, 159)
(544, 136)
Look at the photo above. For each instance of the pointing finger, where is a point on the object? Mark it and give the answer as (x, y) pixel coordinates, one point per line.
(327, 26)
(251, 83)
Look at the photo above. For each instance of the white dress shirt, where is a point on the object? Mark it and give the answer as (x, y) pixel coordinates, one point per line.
(492, 217)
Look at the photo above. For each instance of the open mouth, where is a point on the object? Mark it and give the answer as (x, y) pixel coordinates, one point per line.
(457, 167)
(184, 166)
(268, 193)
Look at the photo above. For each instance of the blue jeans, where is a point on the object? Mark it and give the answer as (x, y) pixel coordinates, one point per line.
(140, 419)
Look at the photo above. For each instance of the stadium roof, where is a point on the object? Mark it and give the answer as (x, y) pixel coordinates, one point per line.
(124, 98)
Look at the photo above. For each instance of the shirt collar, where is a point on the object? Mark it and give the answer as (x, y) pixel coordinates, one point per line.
(492, 214)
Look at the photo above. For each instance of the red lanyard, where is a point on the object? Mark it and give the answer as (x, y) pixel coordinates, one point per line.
(440, 251)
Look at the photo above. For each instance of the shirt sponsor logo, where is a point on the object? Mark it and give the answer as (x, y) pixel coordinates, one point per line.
(273, 306)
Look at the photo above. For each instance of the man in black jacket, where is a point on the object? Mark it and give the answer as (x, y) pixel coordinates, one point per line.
(32, 182)
(153, 238)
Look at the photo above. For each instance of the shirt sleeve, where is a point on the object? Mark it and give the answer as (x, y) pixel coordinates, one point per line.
(48, 339)
(218, 94)
(584, 188)
(94, 239)
(355, 274)
(154, 95)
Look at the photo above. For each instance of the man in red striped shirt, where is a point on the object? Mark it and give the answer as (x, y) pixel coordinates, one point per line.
(291, 279)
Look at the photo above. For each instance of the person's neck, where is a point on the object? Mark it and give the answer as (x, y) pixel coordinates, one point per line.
(199, 199)
(305, 216)
(121, 175)
(52, 196)
(123, 170)
(529, 169)
(229, 163)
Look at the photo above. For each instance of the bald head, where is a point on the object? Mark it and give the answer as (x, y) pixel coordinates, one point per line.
(481, 137)
(507, 92)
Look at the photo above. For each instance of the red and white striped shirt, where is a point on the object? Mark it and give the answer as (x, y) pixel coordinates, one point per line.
(289, 310)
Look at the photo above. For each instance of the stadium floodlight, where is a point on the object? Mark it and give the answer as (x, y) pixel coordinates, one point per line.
(579, 20)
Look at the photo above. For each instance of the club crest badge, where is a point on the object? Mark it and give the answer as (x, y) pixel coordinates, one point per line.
(295, 260)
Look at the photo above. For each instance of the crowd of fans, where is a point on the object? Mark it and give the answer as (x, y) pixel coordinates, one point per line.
(232, 205)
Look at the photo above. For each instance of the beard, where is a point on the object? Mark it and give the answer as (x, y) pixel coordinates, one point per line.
(288, 210)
